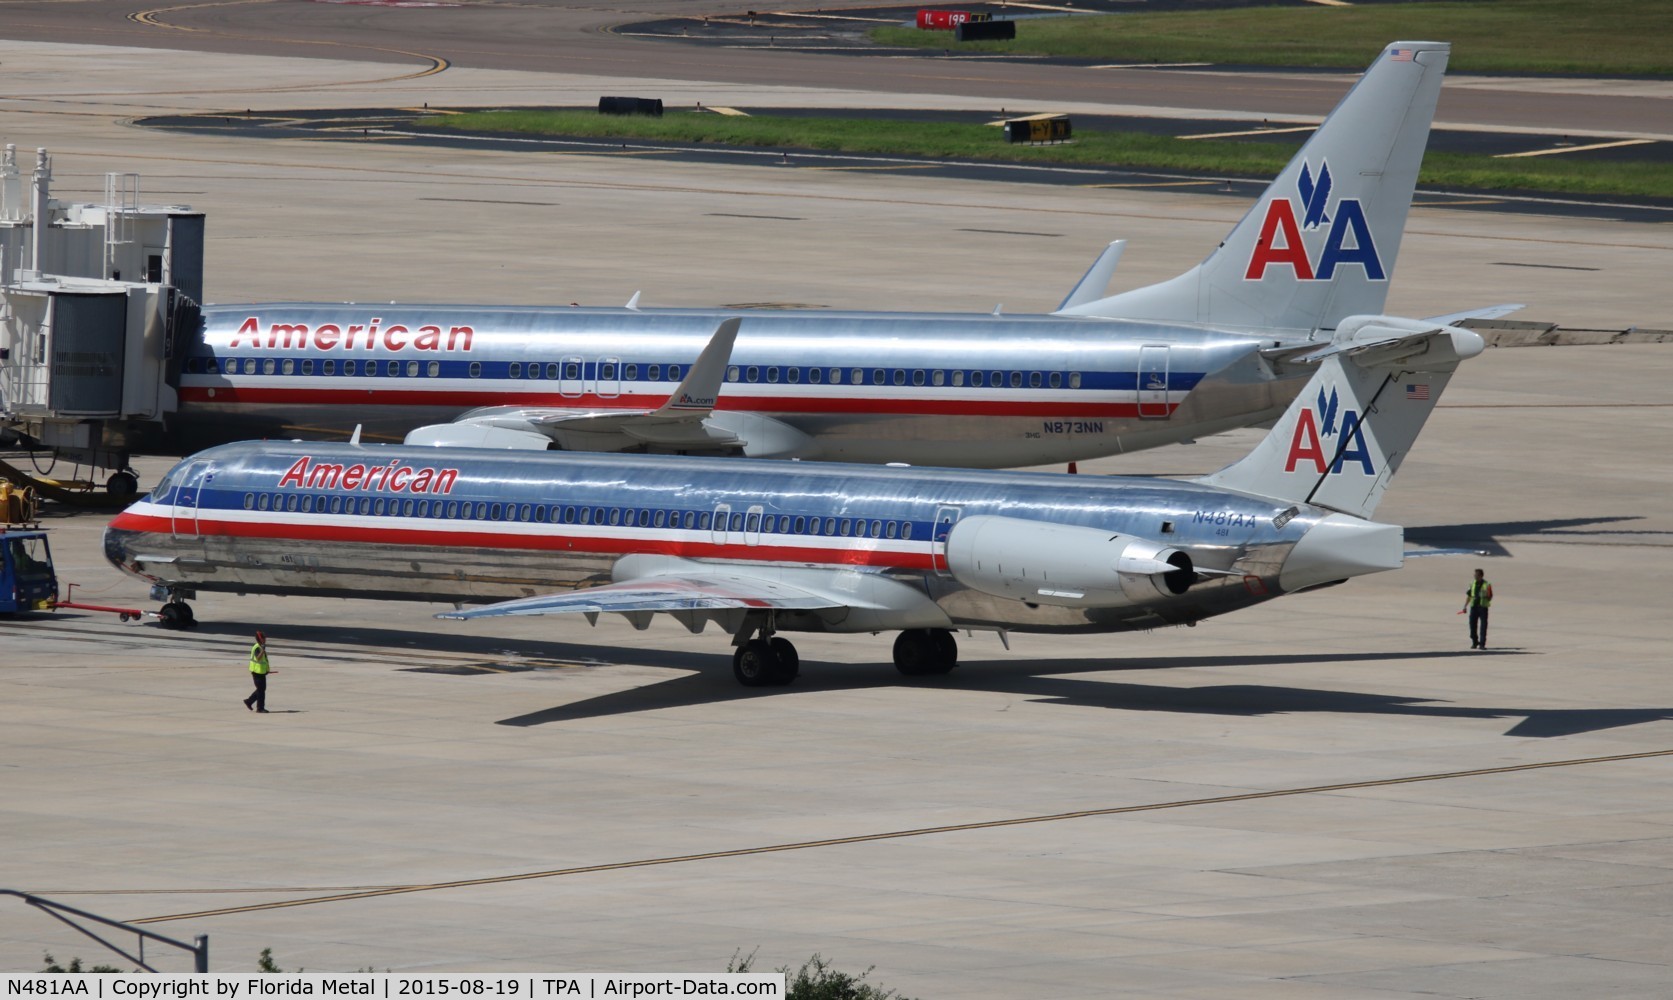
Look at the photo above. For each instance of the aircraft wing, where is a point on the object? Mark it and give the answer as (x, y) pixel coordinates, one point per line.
(695, 592)
(679, 423)
(707, 592)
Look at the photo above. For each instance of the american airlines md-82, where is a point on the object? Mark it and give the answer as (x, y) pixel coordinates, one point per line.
(1207, 351)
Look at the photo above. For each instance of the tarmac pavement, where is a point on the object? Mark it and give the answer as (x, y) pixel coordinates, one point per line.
(1327, 796)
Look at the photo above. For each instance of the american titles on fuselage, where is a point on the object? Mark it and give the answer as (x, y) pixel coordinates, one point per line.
(351, 336)
(307, 474)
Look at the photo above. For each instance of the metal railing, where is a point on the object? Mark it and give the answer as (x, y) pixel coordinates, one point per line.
(199, 948)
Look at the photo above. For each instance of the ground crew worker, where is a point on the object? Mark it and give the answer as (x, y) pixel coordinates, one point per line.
(257, 701)
(1477, 599)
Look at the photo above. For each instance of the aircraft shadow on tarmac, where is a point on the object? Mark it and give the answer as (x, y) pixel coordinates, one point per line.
(1042, 681)
(1485, 536)
(707, 679)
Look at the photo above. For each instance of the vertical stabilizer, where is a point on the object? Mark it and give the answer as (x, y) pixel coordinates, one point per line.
(1343, 438)
(1321, 242)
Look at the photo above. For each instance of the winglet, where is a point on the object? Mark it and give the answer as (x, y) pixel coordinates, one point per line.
(354, 438)
(633, 303)
(700, 388)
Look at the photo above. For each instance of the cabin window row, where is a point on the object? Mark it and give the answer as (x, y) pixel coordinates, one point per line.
(751, 522)
(611, 372)
(956, 378)
(569, 370)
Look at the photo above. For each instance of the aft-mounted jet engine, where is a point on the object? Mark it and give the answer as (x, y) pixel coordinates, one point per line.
(1064, 565)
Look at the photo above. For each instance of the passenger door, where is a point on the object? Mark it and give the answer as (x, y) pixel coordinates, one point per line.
(1153, 382)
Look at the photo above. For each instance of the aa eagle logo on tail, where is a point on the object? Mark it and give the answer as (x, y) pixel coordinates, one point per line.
(1318, 424)
(1347, 241)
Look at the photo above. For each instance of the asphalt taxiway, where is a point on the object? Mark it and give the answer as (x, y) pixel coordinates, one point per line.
(1327, 796)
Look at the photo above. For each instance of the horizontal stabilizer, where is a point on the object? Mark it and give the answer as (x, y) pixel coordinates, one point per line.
(1485, 312)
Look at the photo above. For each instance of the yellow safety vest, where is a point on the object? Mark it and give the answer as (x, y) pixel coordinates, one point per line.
(1480, 594)
(258, 659)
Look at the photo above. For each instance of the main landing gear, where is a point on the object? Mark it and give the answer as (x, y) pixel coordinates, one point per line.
(763, 659)
(769, 662)
(922, 652)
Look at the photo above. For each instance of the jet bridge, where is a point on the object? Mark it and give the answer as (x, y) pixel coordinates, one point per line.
(97, 303)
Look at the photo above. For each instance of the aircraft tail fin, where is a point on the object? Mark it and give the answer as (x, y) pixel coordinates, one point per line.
(1343, 438)
(1321, 242)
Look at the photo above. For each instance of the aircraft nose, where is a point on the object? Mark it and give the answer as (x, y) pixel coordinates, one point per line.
(1340, 547)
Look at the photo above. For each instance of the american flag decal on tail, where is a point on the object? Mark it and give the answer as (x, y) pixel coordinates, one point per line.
(1418, 391)
(1400, 55)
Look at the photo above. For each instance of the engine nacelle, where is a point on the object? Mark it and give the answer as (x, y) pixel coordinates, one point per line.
(1063, 565)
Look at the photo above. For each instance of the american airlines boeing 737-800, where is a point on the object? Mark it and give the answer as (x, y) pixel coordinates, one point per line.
(1207, 351)
(762, 547)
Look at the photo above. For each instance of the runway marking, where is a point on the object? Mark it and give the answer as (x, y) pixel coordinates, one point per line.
(740, 215)
(1575, 149)
(1042, 6)
(841, 17)
(497, 201)
(1178, 65)
(867, 838)
(894, 166)
(1449, 203)
(1008, 232)
(1252, 131)
(1149, 184)
(150, 18)
(1554, 267)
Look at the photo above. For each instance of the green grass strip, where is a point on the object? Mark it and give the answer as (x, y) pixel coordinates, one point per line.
(1592, 37)
(1125, 150)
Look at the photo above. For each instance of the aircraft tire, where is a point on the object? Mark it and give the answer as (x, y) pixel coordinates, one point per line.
(789, 661)
(122, 484)
(756, 664)
(947, 647)
(170, 616)
(921, 652)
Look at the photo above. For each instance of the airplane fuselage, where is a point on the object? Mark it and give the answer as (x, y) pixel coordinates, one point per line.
(924, 389)
(473, 526)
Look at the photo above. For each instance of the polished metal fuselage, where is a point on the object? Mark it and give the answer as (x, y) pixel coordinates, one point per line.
(469, 526)
(926, 389)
